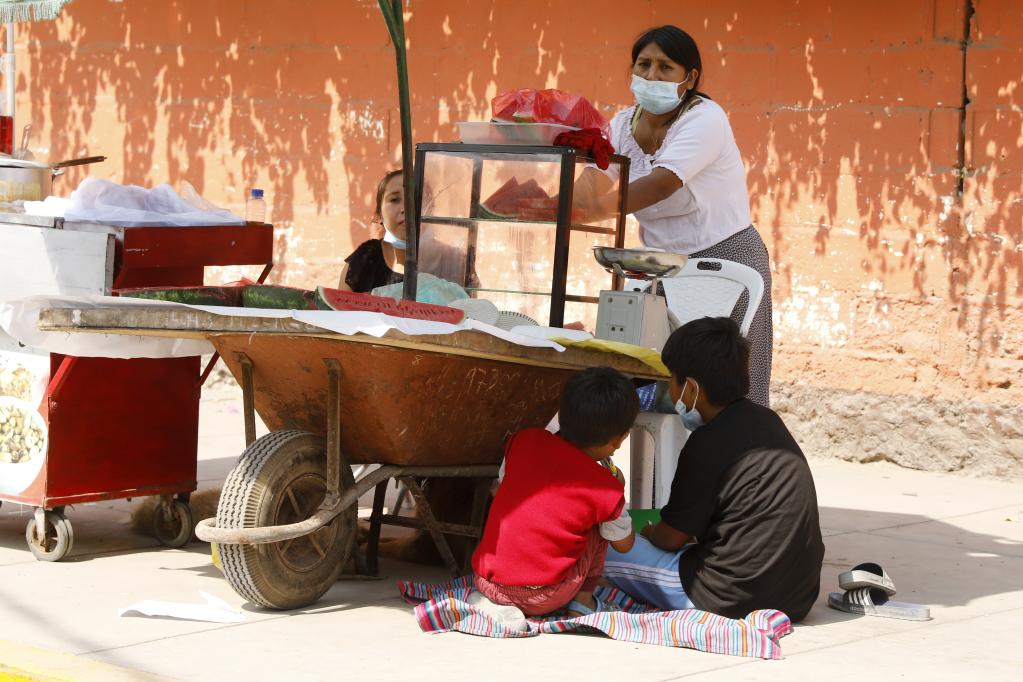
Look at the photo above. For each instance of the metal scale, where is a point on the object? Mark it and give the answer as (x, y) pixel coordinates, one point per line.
(637, 315)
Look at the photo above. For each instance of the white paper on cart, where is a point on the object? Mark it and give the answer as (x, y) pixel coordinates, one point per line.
(215, 610)
(20, 319)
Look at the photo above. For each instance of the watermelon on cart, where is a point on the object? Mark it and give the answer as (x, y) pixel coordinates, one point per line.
(334, 299)
(278, 298)
(230, 296)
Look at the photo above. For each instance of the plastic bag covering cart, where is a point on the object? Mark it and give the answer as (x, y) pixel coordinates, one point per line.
(421, 406)
(507, 215)
(126, 428)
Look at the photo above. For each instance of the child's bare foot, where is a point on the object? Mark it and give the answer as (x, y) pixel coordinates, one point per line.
(584, 599)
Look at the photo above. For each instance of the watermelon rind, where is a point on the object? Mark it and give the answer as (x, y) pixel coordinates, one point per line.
(278, 298)
(321, 299)
(218, 296)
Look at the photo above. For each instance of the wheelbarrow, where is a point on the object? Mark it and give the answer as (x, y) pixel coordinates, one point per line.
(418, 406)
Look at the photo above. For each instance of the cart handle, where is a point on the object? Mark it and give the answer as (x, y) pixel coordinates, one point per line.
(207, 530)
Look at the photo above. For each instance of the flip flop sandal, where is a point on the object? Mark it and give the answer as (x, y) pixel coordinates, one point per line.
(866, 575)
(871, 601)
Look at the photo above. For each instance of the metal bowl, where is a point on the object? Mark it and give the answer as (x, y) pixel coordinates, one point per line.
(640, 262)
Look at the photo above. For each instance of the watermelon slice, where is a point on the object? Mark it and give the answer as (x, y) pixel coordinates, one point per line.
(333, 299)
(278, 298)
(222, 296)
(505, 190)
(525, 201)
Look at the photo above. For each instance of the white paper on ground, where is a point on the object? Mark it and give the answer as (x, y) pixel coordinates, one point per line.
(20, 319)
(215, 610)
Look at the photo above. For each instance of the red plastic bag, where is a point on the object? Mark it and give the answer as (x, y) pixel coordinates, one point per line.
(546, 106)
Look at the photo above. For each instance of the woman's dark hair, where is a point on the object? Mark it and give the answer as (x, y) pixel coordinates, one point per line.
(713, 352)
(678, 45)
(381, 188)
(597, 404)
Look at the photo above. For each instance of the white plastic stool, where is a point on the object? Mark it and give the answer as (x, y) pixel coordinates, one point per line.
(653, 472)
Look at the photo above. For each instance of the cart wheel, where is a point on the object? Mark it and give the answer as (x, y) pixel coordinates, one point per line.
(280, 479)
(58, 541)
(172, 523)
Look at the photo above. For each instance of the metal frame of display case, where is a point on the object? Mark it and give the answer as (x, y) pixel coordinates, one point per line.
(563, 225)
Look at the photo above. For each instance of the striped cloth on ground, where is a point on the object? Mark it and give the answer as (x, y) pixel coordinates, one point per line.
(442, 608)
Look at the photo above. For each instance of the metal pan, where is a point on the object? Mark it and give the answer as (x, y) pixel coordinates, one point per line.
(29, 181)
(640, 263)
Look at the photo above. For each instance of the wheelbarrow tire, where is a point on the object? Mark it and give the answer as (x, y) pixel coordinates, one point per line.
(172, 523)
(280, 479)
(60, 537)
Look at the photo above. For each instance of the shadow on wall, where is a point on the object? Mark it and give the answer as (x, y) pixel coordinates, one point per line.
(851, 136)
(260, 93)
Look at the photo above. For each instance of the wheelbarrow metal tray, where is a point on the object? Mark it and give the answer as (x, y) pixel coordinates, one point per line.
(407, 400)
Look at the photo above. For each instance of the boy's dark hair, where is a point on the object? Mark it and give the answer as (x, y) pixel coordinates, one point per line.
(713, 352)
(597, 404)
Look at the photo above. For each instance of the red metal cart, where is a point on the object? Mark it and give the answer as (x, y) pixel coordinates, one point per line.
(126, 428)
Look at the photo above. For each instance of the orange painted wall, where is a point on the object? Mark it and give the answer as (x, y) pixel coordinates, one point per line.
(847, 114)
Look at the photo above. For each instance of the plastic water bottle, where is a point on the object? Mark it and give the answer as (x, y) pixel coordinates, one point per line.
(255, 207)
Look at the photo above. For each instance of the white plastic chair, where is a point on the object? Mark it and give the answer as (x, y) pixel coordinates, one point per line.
(705, 287)
(710, 287)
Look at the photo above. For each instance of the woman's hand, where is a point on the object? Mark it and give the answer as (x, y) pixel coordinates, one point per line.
(593, 196)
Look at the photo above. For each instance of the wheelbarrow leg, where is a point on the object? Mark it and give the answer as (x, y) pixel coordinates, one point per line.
(248, 408)
(339, 473)
(479, 510)
(430, 522)
(373, 542)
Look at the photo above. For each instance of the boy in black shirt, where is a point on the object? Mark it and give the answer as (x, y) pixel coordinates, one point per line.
(741, 530)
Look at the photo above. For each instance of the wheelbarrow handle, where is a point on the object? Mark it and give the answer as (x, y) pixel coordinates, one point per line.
(207, 530)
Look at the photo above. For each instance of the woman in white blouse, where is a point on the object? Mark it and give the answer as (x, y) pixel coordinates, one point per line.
(688, 183)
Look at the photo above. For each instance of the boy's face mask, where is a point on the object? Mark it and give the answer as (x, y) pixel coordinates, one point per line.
(691, 417)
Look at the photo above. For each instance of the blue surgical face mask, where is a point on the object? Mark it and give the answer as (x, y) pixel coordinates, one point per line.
(691, 418)
(657, 97)
(399, 244)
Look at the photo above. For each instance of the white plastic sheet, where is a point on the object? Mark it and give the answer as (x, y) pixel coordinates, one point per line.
(110, 203)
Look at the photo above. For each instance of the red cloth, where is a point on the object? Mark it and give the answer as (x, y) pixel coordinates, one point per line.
(589, 141)
(552, 496)
(584, 575)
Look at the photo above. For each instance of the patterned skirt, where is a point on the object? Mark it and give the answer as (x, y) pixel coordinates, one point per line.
(746, 247)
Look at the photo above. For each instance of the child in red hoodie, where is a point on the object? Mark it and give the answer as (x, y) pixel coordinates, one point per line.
(558, 506)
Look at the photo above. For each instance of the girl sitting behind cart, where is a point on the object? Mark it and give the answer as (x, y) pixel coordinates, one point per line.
(379, 262)
(558, 508)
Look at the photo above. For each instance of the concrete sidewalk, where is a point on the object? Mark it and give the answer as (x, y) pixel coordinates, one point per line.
(953, 543)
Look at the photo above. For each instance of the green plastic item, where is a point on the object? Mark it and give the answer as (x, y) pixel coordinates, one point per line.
(641, 517)
(431, 289)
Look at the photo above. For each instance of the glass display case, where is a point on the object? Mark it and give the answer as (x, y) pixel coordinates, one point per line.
(516, 225)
